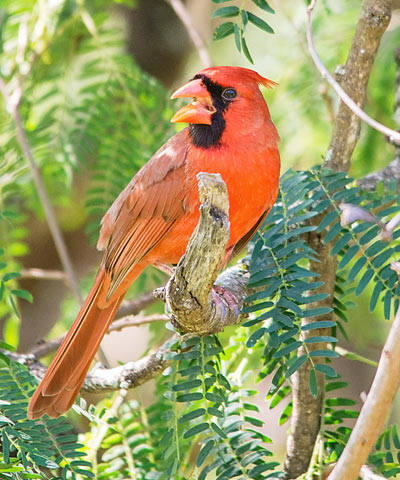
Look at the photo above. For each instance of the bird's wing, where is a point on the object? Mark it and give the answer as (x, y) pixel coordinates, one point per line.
(145, 211)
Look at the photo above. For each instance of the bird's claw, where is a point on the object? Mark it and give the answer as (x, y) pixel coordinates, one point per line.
(224, 298)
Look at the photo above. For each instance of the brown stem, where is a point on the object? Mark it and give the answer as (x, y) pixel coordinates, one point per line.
(184, 16)
(373, 21)
(128, 308)
(12, 107)
(374, 411)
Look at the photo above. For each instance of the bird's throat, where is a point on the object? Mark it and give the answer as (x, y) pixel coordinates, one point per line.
(208, 136)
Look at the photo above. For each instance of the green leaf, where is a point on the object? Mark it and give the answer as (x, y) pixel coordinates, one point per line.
(313, 383)
(205, 450)
(321, 338)
(356, 268)
(191, 415)
(10, 276)
(298, 362)
(286, 414)
(223, 30)
(218, 431)
(246, 50)
(259, 22)
(23, 294)
(324, 353)
(263, 5)
(186, 385)
(245, 17)
(288, 349)
(314, 312)
(319, 324)
(255, 336)
(212, 397)
(225, 12)
(237, 37)
(387, 302)
(349, 255)
(365, 279)
(195, 430)
(375, 295)
(189, 397)
(326, 370)
(327, 220)
(221, 1)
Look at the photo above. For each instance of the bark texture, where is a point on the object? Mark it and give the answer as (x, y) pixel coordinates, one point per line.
(353, 77)
(305, 423)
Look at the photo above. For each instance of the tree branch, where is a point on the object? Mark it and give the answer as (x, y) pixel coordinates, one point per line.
(184, 16)
(12, 107)
(196, 305)
(374, 411)
(374, 19)
(190, 295)
(127, 309)
(40, 274)
(101, 379)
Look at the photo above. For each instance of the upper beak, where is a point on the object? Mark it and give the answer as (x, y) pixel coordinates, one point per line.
(199, 111)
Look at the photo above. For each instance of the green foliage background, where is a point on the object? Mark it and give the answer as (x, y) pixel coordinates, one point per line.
(89, 110)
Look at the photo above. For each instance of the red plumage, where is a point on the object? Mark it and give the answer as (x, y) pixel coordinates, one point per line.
(151, 221)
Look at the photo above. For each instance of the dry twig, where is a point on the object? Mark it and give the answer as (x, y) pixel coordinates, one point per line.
(374, 19)
(183, 15)
(374, 411)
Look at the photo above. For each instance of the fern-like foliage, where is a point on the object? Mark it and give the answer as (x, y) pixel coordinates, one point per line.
(211, 411)
(44, 448)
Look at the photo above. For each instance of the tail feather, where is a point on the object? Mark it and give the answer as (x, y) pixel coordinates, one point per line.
(61, 384)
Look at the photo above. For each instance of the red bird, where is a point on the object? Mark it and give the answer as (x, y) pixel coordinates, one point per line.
(230, 132)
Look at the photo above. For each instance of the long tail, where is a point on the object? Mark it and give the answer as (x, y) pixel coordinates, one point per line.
(61, 384)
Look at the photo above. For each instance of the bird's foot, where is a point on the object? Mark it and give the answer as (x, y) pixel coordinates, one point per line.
(225, 298)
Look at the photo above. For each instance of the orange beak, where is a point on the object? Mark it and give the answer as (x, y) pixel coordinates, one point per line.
(199, 111)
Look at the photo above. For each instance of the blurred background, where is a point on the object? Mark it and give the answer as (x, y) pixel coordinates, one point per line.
(67, 96)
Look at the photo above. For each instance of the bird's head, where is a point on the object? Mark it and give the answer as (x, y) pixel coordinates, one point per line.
(226, 99)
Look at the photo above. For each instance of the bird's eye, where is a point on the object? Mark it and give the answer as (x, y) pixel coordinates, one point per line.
(229, 93)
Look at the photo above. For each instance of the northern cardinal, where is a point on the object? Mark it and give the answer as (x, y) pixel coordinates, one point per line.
(230, 132)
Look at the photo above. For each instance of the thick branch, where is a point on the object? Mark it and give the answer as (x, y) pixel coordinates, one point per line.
(374, 411)
(374, 19)
(306, 415)
(101, 379)
(195, 304)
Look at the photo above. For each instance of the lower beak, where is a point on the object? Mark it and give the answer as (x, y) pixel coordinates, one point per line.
(201, 110)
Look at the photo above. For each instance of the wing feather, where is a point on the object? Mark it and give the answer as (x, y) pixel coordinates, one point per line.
(145, 211)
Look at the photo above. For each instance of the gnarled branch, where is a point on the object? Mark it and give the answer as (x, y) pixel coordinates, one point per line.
(195, 305)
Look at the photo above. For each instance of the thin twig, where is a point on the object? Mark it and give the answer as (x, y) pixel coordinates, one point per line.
(12, 107)
(388, 132)
(40, 274)
(134, 307)
(45, 348)
(136, 321)
(128, 308)
(184, 16)
(374, 411)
